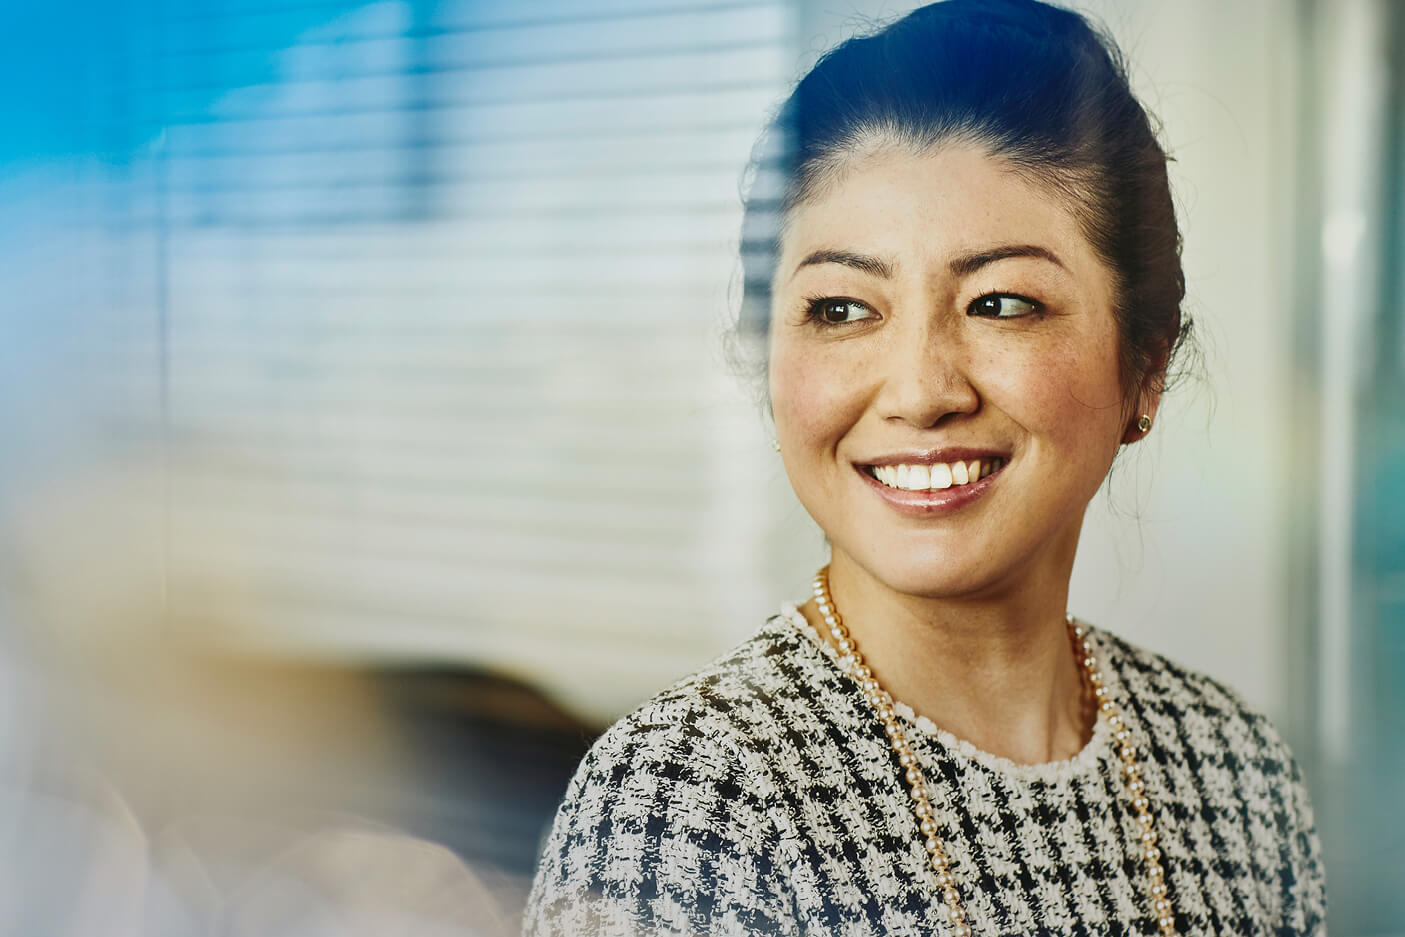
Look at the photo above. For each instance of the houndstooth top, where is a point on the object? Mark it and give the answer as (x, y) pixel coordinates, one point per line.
(760, 796)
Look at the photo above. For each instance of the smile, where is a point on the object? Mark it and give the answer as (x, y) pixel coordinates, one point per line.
(935, 477)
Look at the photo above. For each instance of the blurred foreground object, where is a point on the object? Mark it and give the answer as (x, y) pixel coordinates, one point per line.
(157, 782)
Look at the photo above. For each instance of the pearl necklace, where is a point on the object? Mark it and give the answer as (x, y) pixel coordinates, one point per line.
(882, 704)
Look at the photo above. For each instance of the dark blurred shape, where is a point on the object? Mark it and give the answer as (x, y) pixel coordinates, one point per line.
(490, 758)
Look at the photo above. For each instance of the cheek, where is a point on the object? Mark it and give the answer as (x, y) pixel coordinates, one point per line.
(1067, 389)
(808, 398)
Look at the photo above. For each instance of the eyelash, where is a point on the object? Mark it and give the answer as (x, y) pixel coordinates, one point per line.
(816, 305)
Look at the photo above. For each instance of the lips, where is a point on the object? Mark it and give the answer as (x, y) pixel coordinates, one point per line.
(924, 484)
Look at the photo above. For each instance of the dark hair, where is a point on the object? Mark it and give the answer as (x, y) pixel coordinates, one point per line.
(1034, 84)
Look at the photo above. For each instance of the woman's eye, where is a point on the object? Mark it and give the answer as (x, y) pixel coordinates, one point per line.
(839, 311)
(1002, 306)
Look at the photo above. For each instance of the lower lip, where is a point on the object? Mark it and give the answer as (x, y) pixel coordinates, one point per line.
(932, 502)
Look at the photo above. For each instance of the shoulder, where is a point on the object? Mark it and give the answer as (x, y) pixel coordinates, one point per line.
(1195, 719)
(1225, 778)
(1206, 714)
(667, 825)
(730, 707)
(711, 735)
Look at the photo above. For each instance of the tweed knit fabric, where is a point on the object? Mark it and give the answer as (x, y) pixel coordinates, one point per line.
(760, 796)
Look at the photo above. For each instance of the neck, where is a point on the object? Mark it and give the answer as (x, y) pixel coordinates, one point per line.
(998, 672)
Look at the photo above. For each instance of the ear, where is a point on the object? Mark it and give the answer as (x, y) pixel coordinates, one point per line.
(1147, 402)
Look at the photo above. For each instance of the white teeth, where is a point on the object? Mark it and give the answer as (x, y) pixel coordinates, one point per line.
(914, 477)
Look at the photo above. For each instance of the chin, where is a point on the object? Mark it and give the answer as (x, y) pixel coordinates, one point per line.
(929, 577)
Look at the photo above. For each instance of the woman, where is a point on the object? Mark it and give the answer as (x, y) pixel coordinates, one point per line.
(971, 300)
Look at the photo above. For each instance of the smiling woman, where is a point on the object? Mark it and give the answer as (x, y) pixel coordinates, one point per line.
(969, 296)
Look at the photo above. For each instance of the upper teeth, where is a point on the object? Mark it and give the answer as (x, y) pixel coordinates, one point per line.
(937, 476)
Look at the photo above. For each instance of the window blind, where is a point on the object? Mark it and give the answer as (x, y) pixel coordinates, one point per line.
(443, 292)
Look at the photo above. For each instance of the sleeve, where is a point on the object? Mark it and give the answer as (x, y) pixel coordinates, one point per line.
(664, 830)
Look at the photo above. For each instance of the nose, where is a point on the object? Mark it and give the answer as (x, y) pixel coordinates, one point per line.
(926, 378)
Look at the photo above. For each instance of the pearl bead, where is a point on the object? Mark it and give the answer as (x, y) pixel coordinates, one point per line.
(961, 930)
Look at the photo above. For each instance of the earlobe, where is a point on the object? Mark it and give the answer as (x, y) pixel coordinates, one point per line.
(1141, 426)
(1137, 429)
(1144, 415)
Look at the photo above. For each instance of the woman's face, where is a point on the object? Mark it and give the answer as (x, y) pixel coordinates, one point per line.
(939, 318)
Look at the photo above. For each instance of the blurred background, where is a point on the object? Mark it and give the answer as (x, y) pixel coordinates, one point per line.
(368, 442)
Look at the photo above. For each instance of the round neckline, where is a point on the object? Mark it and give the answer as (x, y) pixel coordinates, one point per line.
(1083, 762)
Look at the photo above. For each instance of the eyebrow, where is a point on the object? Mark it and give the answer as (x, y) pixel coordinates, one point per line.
(967, 264)
(962, 266)
(865, 262)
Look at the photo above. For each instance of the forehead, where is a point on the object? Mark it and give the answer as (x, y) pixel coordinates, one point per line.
(919, 210)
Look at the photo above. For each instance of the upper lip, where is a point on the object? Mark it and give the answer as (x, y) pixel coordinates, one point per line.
(935, 456)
